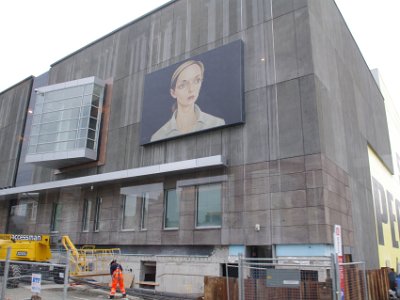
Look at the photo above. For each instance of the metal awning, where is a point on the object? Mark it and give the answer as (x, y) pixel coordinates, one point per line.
(179, 166)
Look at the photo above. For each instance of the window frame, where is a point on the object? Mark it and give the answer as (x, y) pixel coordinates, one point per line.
(166, 193)
(96, 223)
(54, 221)
(144, 210)
(197, 226)
(87, 213)
(124, 198)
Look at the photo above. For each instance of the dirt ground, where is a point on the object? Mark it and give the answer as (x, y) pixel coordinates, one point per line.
(55, 291)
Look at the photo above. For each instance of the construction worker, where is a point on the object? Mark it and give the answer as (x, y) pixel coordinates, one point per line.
(117, 279)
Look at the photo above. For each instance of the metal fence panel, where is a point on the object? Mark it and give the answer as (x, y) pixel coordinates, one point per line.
(22, 280)
(298, 279)
(355, 285)
(286, 279)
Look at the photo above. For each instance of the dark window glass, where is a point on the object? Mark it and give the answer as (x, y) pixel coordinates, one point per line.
(171, 216)
(87, 209)
(97, 214)
(208, 205)
(56, 217)
(144, 211)
(129, 212)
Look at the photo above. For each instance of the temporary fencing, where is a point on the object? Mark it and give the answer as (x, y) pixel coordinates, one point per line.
(285, 278)
(23, 279)
(289, 278)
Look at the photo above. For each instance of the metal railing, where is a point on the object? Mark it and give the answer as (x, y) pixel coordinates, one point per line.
(88, 260)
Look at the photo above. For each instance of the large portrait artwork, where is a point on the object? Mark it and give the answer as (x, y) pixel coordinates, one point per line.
(200, 93)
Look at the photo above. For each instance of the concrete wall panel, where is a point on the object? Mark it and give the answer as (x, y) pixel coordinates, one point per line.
(13, 109)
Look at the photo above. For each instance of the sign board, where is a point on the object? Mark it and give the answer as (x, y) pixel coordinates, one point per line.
(207, 88)
(36, 283)
(25, 237)
(22, 253)
(337, 242)
(283, 278)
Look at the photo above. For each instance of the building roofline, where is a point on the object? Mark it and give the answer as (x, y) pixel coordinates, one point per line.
(114, 31)
(18, 83)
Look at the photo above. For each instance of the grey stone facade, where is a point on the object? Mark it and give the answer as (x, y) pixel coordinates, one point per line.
(296, 167)
(13, 111)
(351, 115)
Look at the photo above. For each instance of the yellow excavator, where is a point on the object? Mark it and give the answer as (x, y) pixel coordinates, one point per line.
(25, 247)
(84, 262)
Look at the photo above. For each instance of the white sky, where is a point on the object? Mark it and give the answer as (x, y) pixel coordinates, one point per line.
(375, 25)
(37, 33)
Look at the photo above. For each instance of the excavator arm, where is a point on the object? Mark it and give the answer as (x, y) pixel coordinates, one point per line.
(69, 246)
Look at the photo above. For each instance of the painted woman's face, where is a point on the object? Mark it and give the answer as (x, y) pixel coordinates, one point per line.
(188, 86)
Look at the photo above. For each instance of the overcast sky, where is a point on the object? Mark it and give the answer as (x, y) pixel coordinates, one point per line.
(375, 25)
(37, 33)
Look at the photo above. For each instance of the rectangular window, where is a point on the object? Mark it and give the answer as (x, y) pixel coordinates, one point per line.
(58, 117)
(87, 210)
(208, 212)
(96, 225)
(129, 212)
(144, 211)
(56, 217)
(22, 215)
(171, 215)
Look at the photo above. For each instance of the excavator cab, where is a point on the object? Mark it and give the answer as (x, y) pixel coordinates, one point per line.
(25, 247)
